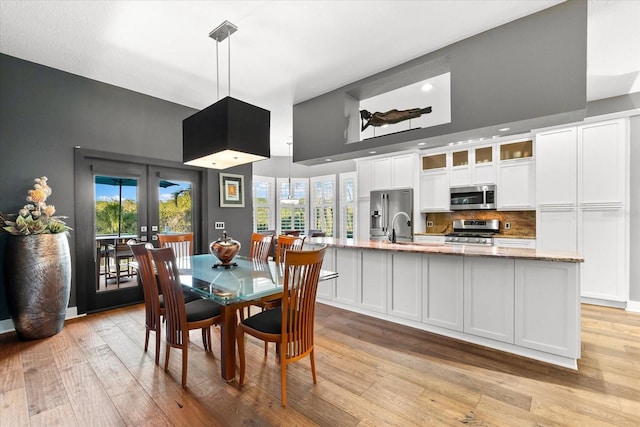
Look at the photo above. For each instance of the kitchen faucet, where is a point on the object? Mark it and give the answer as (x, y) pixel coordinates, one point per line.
(393, 222)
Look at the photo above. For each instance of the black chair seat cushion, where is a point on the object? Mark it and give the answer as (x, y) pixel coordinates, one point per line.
(202, 309)
(268, 321)
(189, 296)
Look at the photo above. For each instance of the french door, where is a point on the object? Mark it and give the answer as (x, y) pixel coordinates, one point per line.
(119, 201)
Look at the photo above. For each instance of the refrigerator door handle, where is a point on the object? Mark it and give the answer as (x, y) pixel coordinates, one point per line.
(385, 206)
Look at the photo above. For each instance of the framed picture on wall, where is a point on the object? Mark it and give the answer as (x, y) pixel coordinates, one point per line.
(231, 190)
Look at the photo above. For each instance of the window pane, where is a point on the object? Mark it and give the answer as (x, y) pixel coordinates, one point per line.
(349, 190)
(328, 192)
(349, 221)
(175, 206)
(116, 205)
(262, 219)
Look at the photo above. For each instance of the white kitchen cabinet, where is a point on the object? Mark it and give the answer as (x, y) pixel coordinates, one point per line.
(373, 283)
(442, 291)
(363, 226)
(488, 298)
(403, 171)
(433, 240)
(473, 166)
(557, 229)
(434, 192)
(382, 178)
(502, 242)
(556, 166)
(347, 266)
(602, 244)
(365, 178)
(405, 292)
(326, 288)
(516, 185)
(544, 318)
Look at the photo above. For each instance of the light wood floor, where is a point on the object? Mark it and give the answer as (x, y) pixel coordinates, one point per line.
(369, 373)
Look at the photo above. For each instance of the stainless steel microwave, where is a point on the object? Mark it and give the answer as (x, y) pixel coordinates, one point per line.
(473, 197)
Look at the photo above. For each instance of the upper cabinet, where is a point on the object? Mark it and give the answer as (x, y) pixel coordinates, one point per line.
(434, 182)
(516, 176)
(473, 166)
(556, 161)
(386, 173)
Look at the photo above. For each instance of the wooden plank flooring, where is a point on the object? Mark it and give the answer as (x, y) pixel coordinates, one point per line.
(370, 373)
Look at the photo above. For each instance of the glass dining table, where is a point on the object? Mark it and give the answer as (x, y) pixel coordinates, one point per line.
(233, 288)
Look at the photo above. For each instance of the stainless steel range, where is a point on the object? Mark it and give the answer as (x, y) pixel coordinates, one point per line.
(473, 232)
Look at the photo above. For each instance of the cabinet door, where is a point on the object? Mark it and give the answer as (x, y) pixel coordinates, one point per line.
(602, 244)
(484, 165)
(406, 286)
(382, 174)
(442, 290)
(603, 162)
(516, 185)
(346, 283)
(434, 192)
(547, 315)
(556, 166)
(460, 173)
(365, 178)
(373, 283)
(326, 287)
(363, 226)
(557, 230)
(403, 171)
(488, 298)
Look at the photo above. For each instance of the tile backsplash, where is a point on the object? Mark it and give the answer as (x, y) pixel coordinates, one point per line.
(523, 223)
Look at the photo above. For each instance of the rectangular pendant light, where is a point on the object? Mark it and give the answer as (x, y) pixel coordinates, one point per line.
(228, 133)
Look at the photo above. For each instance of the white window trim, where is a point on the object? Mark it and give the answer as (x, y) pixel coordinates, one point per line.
(344, 203)
(270, 204)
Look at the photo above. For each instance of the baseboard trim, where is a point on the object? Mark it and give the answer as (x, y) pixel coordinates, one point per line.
(633, 306)
(6, 325)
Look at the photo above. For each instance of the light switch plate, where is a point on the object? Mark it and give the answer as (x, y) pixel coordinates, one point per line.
(219, 225)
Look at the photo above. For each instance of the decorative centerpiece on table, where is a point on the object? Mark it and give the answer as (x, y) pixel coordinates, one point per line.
(37, 266)
(225, 249)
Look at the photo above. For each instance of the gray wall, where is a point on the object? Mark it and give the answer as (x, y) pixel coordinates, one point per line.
(45, 113)
(527, 74)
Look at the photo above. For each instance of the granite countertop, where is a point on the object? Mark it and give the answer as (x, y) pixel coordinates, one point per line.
(460, 250)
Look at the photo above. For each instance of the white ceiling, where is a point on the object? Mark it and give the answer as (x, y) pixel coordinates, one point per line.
(284, 52)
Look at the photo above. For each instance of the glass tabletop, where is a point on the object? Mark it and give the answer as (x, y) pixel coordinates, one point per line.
(248, 280)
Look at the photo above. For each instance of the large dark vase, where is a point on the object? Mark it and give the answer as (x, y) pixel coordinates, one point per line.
(37, 275)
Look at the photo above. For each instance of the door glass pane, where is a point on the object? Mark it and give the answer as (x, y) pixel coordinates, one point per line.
(175, 206)
(116, 210)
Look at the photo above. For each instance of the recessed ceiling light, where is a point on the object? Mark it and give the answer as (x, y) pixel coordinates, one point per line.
(503, 129)
(426, 87)
(422, 143)
(327, 160)
(372, 152)
(451, 143)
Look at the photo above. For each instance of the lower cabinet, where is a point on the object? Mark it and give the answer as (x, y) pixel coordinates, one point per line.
(527, 307)
(442, 290)
(545, 317)
(326, 288)
(373, 283)
(488, 298)
(406, 286)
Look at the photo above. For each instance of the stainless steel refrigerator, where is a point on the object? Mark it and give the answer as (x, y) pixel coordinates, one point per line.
(391, 210)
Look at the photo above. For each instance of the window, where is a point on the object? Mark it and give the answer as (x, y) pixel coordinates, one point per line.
(347, 204)
(323, 203)
(292, 207)
(263, 203)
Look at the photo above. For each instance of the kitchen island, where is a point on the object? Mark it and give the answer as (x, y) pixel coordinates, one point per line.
(522, 301)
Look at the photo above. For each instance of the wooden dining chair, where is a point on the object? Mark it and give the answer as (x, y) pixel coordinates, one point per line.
(119, 252)
(202, 314)
(182, 244)
(153, 299)
(286, 243)
(290, 325)
(260, 246)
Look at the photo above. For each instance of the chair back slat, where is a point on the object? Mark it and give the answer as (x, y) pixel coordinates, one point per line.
(182, 244)
(301, 275)
(174, 308)
(287, 243)
(260, 246)
(149, 284)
